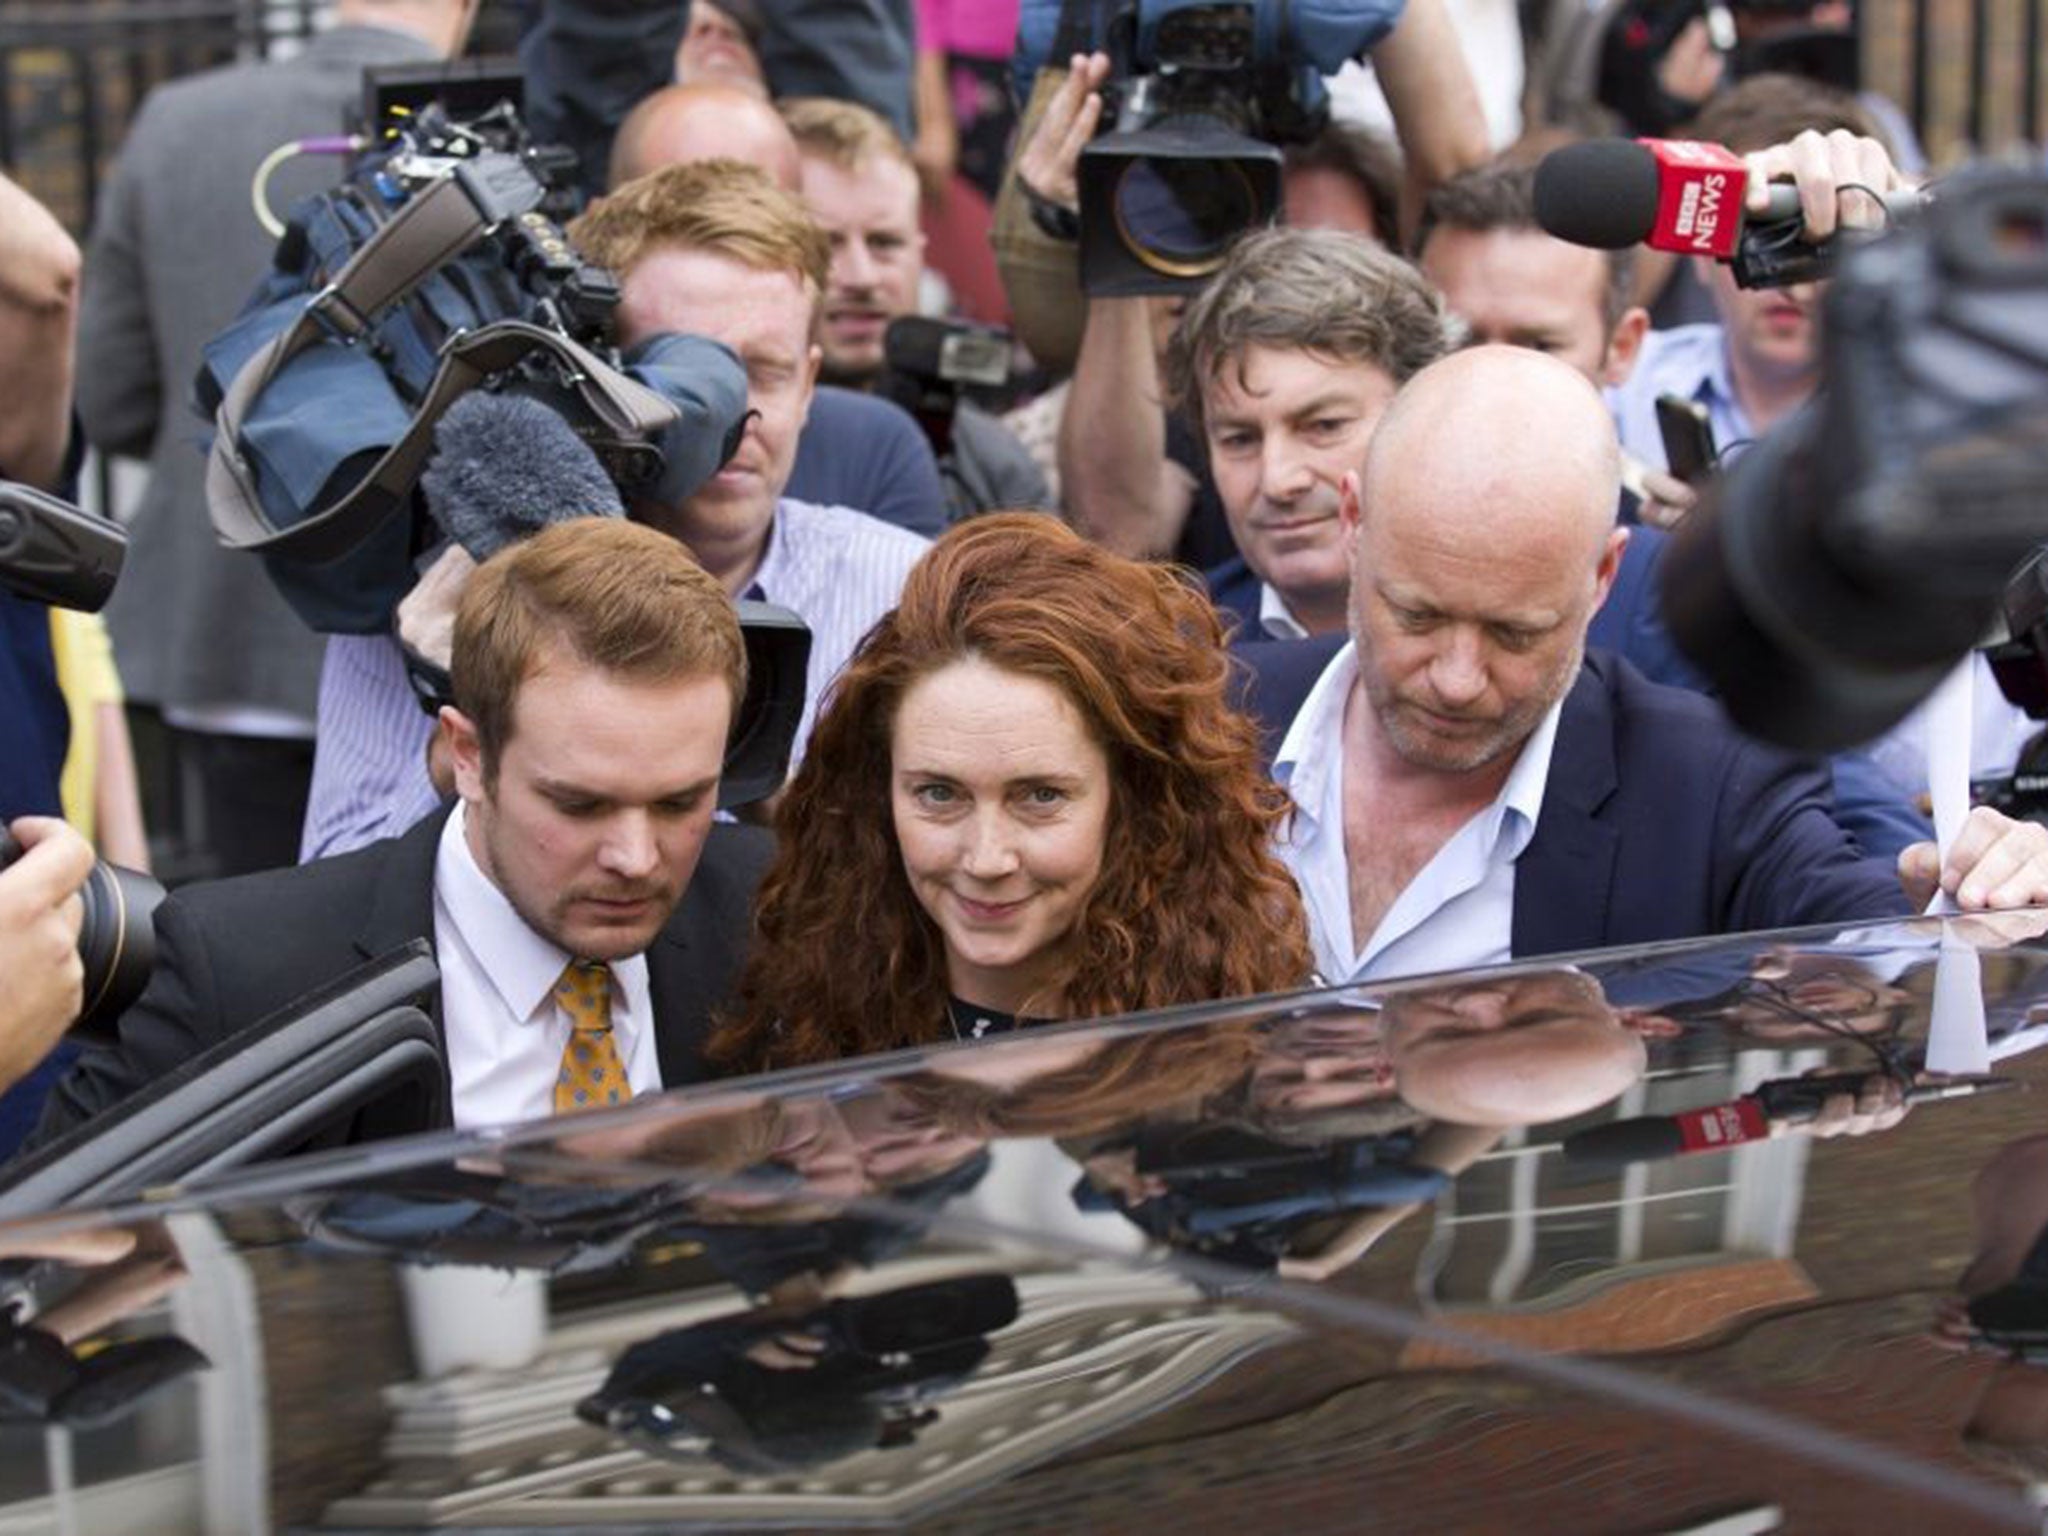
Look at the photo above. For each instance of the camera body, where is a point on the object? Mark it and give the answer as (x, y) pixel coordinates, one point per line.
(1201, 94)
(51, 552)
(930, 364)
(437, 267)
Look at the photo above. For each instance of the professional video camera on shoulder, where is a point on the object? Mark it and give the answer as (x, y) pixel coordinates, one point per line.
(435, 268)
(1201, 93)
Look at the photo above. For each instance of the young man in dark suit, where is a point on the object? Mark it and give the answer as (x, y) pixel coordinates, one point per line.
(586, 913)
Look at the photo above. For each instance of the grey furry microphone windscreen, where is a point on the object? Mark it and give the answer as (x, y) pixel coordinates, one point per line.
(505, 467)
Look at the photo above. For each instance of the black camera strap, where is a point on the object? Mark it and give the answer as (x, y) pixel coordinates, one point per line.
(429, 231)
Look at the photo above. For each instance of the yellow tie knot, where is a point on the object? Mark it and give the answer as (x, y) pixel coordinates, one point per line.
(592, 1074)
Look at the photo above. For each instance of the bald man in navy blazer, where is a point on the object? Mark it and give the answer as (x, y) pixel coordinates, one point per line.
(1472, 787)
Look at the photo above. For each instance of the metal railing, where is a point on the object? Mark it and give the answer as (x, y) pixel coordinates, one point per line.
(73, 73)
(1967, 73)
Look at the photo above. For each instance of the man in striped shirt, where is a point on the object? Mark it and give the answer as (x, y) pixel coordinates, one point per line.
(715, 249)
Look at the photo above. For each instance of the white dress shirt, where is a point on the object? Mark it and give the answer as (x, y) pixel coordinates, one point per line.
(1458, 911)
(504, 1031)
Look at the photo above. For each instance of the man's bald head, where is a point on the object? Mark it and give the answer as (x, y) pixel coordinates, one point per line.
(1514, 1050)
(1495, 443)
(683, 123)
(1481, 540)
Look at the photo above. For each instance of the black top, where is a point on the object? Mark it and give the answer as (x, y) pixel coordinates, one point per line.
(971, 1021)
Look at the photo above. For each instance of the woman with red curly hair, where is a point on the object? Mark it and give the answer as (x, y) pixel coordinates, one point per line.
(1027, 798)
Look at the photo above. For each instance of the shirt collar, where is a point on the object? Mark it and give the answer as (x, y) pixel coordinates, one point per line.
(1520, 801)
(1717, 384)
(514, 961)
(1275, 621)
(1313, 747)
(773, 574)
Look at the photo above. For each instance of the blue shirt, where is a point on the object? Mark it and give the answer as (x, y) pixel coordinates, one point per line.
(1690, 361)
(35, 730)
(35, 723)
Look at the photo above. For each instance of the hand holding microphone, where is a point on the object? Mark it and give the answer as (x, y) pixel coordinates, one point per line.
(1819, 1104)
(504, 468)
(1702, 200)
(1840, 180)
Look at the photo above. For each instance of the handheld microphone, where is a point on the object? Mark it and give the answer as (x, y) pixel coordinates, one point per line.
(506, 467)
(1688, 197)
(1785, 1101)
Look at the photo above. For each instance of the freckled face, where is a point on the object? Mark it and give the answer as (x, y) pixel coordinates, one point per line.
(1000, 797)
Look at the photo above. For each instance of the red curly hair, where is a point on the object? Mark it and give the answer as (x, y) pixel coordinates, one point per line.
(1190, 906)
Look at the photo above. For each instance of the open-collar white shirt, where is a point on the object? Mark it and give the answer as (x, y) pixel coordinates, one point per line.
(1276, 619)
(504, 1031)
(1458, 911)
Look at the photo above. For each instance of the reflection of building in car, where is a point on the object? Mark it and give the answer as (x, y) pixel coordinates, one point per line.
(1090, 1352)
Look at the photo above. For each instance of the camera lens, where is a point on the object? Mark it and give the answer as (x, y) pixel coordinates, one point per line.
(1179, 216)
(116, 939)
(116, 944)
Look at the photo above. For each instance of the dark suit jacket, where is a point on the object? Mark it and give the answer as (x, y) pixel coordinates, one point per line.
(1659, 820)
(231, 952)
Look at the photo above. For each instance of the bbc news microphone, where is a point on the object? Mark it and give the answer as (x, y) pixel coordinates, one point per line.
(1773, 215)
(1824, 1105)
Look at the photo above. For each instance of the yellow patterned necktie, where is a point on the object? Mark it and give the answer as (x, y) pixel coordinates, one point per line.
(592, 1075)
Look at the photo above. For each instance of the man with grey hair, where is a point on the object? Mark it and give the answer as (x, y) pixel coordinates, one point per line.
(1470, 786)
(1285, 362)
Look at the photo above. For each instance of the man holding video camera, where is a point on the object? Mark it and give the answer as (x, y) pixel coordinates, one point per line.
(40, 910)
(712, 249)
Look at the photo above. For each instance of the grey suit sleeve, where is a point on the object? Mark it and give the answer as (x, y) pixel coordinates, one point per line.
(177, 1017)
(120, 385)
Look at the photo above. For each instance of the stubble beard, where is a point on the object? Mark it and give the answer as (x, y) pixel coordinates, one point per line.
(1421, 748)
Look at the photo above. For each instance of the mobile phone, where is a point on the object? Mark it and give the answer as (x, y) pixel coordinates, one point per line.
(1689, 450)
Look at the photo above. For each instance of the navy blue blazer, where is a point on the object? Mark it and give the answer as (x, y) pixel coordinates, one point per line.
(1659, 820)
